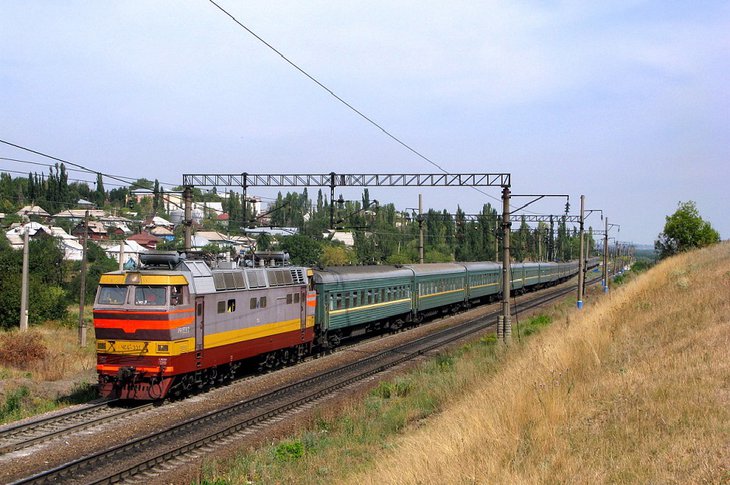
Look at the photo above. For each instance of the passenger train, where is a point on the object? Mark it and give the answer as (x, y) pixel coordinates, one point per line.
(177, 325)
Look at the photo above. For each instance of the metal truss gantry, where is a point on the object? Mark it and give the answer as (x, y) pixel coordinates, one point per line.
(333, 180)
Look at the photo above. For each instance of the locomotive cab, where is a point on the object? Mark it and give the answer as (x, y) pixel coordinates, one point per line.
(142, 321)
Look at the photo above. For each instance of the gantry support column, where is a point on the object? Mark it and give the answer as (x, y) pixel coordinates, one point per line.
(504, 325)
(188, 222)
(581, 262)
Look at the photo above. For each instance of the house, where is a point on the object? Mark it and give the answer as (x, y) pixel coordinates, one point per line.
(96, 231)
(273, 231)
(146, 240)
(72, 249)
(347, 238)
(77, 215)
(162, 233)
(160, 222)
(131, 249)
(226, 241)
(33, 210)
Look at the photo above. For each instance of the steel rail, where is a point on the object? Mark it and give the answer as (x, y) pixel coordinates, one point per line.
(85, 468)
(51, 427)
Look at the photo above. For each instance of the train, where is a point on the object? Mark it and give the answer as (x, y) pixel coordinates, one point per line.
(177, 325)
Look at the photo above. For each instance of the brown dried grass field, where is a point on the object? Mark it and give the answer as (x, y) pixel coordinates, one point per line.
(44, 369)
(636, 389)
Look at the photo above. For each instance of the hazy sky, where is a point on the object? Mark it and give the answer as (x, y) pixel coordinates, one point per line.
(623, 101)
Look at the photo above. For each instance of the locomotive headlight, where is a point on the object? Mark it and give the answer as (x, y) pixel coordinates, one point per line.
(163, 348)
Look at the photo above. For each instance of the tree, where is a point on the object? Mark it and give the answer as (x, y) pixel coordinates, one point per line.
(685, 230)
(302, 250)
(99, 195)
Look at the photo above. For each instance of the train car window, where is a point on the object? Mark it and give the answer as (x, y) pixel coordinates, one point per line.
(262, 302)
(221, 307)
(231, 307)
(252, 304)
(296, 297)
(150, 295)
(176, 295)
(199, 310)
(289, 299)
(112, 295)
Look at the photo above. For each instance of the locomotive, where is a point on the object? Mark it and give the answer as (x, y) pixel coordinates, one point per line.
(176, 325)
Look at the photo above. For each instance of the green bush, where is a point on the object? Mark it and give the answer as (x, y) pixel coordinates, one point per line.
(289, 450)
(13, 404)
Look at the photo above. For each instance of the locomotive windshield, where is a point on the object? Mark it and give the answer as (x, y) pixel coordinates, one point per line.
(150, 295)
(112, 295)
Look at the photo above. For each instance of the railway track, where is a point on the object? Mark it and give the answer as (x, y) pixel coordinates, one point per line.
(40, 430)
(152, 455)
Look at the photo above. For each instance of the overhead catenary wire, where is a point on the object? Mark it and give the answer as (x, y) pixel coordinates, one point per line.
(340, 99)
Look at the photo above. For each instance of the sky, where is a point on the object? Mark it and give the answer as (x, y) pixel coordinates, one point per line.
(625, 102)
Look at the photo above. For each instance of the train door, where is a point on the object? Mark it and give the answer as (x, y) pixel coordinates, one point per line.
(303, 300)
(199, 327)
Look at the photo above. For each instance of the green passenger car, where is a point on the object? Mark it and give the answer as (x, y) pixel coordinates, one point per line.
(362, 297)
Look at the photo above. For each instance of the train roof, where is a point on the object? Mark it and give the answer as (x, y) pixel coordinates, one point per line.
(335, 274)
(483, 266)
(436, 268)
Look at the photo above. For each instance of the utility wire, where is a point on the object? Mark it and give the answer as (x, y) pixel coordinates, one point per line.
(114, 177)
(341, 100)
(51, 166)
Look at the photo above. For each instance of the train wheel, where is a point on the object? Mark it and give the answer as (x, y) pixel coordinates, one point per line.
(334, 339)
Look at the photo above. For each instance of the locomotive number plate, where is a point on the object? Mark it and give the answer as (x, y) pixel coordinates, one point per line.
(131, 346)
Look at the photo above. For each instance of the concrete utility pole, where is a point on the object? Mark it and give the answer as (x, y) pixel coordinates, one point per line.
(420, 228)
(188, 222)
(24, 287)
(581, 262)
(82, 296)
(504, 323)
(121, 255)
(605, 259)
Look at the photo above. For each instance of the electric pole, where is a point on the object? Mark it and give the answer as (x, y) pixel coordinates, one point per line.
(188, 222)
(581, 262)
(82, 296)
(605, 259)
(24, 287)
(504, 324)
(420, 228)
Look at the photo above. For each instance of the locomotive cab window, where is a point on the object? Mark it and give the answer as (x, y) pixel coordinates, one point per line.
(150, 295)
(112, 295)
(176, 295)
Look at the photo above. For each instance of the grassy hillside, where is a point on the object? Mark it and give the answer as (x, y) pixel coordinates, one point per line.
(636, 388)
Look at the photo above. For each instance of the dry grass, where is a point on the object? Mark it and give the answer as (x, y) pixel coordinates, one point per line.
(44, 369)
(47, 353)
(636, 389)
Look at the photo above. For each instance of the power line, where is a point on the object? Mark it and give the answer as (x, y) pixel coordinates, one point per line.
(30, 162)
(3, 170)
(341, 100)
(114, 177)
